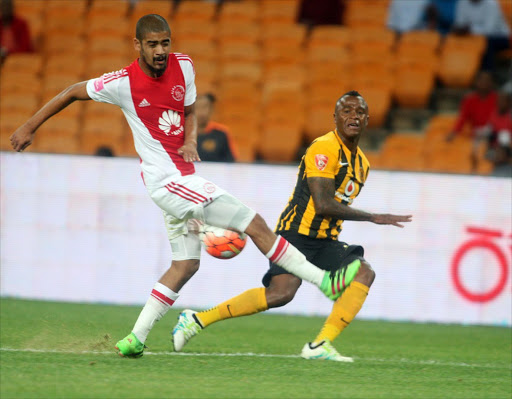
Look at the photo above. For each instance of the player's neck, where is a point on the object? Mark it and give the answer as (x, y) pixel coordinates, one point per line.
(148, 70)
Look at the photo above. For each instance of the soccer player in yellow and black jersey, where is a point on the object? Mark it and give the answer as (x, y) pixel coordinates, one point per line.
(331, 174)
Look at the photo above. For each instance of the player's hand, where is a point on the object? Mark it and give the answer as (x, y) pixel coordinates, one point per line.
(22, 138)
(189, 152)
(394, 220)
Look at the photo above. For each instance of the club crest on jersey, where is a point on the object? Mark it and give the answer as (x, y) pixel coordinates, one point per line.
(168, 120)
(209, 187)
(98, 84)
(321, 161)
(178, 92)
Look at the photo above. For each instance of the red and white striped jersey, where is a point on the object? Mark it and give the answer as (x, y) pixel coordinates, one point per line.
(154, 109)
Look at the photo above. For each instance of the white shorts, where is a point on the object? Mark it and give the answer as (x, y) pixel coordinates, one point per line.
(193, 197)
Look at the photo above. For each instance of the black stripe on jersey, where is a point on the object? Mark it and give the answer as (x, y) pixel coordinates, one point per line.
(288, 210)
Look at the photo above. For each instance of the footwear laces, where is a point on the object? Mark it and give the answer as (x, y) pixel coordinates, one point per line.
(189, 326)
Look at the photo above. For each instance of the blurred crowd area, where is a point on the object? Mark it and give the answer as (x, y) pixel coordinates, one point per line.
(276, 69)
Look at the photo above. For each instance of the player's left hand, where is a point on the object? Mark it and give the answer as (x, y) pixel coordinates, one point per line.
(395, 220)
(189, 152)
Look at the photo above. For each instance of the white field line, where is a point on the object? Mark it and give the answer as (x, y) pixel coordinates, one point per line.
(250, 354)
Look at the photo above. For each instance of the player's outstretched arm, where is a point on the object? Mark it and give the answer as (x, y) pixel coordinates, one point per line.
(323, 190)
(24, 135)
(189, 148)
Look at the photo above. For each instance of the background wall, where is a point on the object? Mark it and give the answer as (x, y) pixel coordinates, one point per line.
(84, 229)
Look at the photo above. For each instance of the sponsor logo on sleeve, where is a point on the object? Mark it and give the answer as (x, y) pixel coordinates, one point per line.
(98, 84)
(321, 161)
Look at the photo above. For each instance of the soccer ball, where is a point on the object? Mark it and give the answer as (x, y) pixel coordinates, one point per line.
(222, 243)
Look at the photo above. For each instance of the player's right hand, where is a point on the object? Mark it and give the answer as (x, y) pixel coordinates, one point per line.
(22, 138)
(394, 220)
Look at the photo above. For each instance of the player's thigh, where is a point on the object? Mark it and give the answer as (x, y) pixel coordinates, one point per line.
(228, 212)
(185, 245)
(336, 254)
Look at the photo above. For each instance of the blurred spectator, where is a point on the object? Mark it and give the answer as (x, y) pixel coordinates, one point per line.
(14, 32)
(440, 15)
(405, 16)
(104, 151)
(476, 110)
(500, 136)
(214, 142)
(323, 12)
(483, 17)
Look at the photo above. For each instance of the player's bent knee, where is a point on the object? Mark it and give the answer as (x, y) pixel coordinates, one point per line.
(279, 294)
(365, 274)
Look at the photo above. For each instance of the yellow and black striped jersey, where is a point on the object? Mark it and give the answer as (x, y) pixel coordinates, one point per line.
(326, 157)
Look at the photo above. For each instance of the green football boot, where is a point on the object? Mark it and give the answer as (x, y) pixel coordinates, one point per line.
(130, 346)
(335, 281)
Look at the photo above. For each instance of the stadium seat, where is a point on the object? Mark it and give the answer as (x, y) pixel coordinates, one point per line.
(460, 59)
(195, 12)
(277, 53)
(338, 36)
(72, 46)
(278, 12)
(59, 63)
(282, 75)
(143, 7)
(239, 50)
(243, 31)
(439, 126)
(428, 40)
(379, 103)
(30, 63)
(320, 120)
(379, 40)
(241, 71)
(20, 102)
(66, 20)
(108, 24)
(415, 85)
(109, 7)
(184, 30)
(243, 11)
(369, 14)
(403, 151)
(196, 48)
(99, 65)
(59, 135)
(453, 157)
(279, 143)
(294, 34)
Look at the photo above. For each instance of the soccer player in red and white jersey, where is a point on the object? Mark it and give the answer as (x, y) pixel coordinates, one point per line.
(157, 94)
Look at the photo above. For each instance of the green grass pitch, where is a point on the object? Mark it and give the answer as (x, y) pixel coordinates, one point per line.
(60, 350)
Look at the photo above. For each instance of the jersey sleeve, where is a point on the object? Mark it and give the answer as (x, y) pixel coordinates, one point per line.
(189, 74)
(104, 89)
(321, 160)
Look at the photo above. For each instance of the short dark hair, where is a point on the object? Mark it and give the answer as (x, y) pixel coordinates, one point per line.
(151, 23)
(351, 93)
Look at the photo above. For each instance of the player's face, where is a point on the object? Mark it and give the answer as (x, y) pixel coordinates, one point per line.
(351, 116)
(154, 50)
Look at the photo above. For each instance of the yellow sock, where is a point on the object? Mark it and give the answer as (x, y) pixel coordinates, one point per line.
(248, 302)
(343, 312)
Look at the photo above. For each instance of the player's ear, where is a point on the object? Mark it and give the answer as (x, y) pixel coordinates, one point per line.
(136, 44)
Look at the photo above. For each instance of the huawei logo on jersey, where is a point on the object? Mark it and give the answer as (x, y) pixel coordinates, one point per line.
(168, 120)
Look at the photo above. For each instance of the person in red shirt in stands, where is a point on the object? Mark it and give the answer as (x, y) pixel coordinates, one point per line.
(214, 143)
(476, 110)
(14, 32)
(500, 136)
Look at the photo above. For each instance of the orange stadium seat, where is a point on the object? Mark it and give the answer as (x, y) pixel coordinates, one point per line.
(195, 12)
(458, 66)
(506, 8)
(247, 32)
(338, 36)
(112, 7)
(320, 53)
(72, 46)
(59, 63)
(66, 20)
(16, 82)
(320, 119)
(403, 151)
(453, 157)
(60, 135)
(439, 126)
(237, 50)
(107, 24)
(242, 71)
(243, 11)
(99, 65)
(366, 14)
(107, 44)
(78, 5)
(20, 102)
(279, 143)
(278, 77)
(277, 53)
(24, 63)
(416, 83)
(196, 48)
(379, 103)
(425, 39)
(379, 40)
(143, 7)
(184, 30)
(294, 34)
(279, 12)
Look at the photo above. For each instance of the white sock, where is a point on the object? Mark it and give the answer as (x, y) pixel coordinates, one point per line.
(292, 260)
(159, 302)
